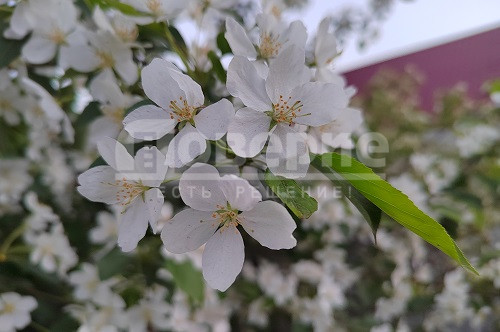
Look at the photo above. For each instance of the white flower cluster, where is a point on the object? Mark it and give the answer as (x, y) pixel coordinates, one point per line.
(184, 131)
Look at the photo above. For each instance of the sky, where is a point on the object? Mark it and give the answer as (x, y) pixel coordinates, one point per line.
(410, 26)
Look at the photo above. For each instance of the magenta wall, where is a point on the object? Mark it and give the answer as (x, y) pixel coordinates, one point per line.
(472, 60)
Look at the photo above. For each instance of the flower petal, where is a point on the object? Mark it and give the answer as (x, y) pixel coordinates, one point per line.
(213, 120)
(325, 49)
(199, 187)
(270, 223)
(154, 201)
(133, 225)
(223, 258)
(248, 132)
(95, 185)
(188, 230)
(244, 82)
(148, 122)
(286, 72)
(239, 192)
(80, 57)
(158, 83)
(287, 153)
(38, 50)
(150, 166)
(192, 90)
(321, 100)
(238, 39)
(115, 154)
(185, 146)
(127, 69)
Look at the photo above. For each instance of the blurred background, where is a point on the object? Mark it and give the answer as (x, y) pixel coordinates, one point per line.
(427, 76)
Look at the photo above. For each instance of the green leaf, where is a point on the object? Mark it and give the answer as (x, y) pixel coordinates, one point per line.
(188, 279)
(116, 4)
(9, 49)
(394, 203)
(369, 211)
(222, 44)
(290, 193)
(113, 263)
(217, 66)
(91, 112)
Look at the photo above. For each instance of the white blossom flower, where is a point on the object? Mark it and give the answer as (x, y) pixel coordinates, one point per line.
(106, 229)
(281, 288)
(473, 140)
(54, 20)
(217, 206)
(53, 252)
(336, 134)
(275, 36)
(54, 116)
(105, 89)
(121, 25)
(131, 183)
(22, 20)
(160, 10)
(15, 311)
(11, 101)
(275, 106)
(152, 310)
(41, 214)
(87, 284)
(103, 51)
(14, 180)
(180, 101)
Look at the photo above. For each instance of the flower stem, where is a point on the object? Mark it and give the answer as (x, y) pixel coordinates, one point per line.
(17, 232)
(38, 327)
(181, 53)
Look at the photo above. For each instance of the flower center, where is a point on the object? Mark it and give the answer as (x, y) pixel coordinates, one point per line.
(5, 104)
(276, 11)
(9, 308)
(286, 111)
(107, 60)
(155, 7)
(226, 217)
(127, 35)
(128, 190)
(113, 113)
(269, 45)
(57, 36)
(181, 111)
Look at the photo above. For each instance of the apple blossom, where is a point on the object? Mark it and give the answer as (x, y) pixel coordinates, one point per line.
(217, 205)
(15, 311)
(275, 36)
(275, 106)
(102, 50)
(132, 184)
(180, 101)
(159, 10)
(105, 89)
(54, 20)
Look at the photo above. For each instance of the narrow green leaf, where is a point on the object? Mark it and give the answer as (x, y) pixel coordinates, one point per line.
(116, 4)
(222, 44)
(394, 203)
(290, 193)
(188, 279)
(369, 211)
(217, 66)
